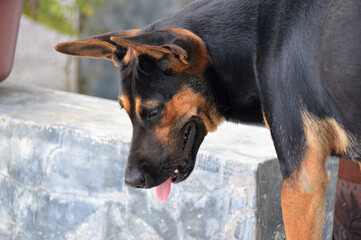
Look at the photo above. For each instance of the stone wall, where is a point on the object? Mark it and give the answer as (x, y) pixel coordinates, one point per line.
(62, 159)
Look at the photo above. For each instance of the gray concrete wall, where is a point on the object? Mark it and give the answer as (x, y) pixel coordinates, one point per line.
(62, 159)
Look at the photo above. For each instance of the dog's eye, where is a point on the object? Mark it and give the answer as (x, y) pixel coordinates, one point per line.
(154, 112)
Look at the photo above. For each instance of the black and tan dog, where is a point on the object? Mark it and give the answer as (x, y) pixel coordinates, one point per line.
(294, 63)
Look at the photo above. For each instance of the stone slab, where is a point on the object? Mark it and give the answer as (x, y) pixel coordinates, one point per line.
(62, 159)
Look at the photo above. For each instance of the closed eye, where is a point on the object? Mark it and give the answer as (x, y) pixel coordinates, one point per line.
(154, 112)
(151, 108)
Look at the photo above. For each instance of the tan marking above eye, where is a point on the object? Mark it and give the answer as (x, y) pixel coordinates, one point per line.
(125, 103)
(150, 104)
(145, 105)
(181, 108)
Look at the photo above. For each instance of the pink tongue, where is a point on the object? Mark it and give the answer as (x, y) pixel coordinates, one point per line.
(163, 190)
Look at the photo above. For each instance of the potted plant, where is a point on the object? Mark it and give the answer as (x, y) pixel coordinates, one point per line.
(10, 12)
(56, 14)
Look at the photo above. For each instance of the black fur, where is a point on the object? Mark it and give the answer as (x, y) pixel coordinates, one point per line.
(282, 55)
(284, 58)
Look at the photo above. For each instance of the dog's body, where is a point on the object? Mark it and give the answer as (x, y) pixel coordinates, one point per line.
(295, 64)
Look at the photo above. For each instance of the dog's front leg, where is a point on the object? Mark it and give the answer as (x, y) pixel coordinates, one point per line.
(302, 157)
(303, 199)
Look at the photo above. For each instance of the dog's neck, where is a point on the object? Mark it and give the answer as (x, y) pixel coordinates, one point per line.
(231, 42)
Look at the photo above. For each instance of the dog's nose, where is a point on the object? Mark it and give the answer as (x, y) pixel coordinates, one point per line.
(134, 178)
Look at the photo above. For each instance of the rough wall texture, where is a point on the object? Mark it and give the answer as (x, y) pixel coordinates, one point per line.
(62, 159)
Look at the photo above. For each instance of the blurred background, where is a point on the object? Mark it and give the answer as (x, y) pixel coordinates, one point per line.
(47, 22)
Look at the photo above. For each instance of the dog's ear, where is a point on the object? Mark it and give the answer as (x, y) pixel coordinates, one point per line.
(97, 47)
(175, 50)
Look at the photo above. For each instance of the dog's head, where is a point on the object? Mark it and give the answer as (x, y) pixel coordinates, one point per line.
(164, 91)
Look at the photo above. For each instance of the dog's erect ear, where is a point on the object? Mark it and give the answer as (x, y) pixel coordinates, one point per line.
(175, 50)
(97, 47)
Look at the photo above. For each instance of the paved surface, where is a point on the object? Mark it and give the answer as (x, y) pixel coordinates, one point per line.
(62, 159)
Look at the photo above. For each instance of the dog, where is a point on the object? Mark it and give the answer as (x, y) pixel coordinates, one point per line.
(292, 64)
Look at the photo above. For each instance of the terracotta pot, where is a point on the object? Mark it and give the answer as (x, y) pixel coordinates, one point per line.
(347, 219)
(10, 12)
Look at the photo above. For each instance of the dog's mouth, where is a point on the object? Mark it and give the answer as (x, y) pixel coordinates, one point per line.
(193, 133)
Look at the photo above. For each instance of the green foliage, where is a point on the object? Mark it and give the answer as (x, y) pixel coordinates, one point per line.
(59, 14)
